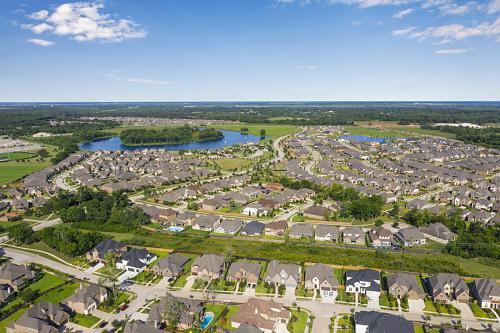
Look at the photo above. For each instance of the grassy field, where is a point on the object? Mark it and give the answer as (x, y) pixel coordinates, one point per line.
(18, 155)
(85, 321)
(14, 170)
(232, 163)
(438, 262)
(374, 132)
(273, 131)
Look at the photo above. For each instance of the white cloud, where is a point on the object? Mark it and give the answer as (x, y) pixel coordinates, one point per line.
(371, 3)
(403, 13)
(452, 51)
(116, 74)
(308, 67)
(453, 32)
(84, 21)
(40, 15)
(148, 81)
(493, 6)
(40, 42)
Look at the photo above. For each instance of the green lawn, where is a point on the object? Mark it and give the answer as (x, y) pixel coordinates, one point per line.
(271, 130)
(217, 310)
(298, 322)
(199, 284)
(301, 291)
(59, 294)
(10, 319)
(18, 155)
(13, 170)
(222, 285)
(180, 282)
(263, 288)
(479, 312)
(110, 308)
(232, 163)
(232, 309)
(85, 320)
(373, 132)
(46, 282)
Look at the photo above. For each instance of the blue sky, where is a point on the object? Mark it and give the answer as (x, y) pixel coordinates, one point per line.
(214, 50)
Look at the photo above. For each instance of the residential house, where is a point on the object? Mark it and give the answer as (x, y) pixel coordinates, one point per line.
(353, 235)
(229, 227)
(410, 236)
(171, 266)
(326, 233)
(277, 228)
(282, 274)
(416, 204)
(248, 328)
(208, 266)
(16, 276)
(256, 209)
(135, 261)
(206, 222)
(438, 232)
(320, 277)
(487, 293)
(301, 230)
(104, 247)
(140, 327)
(263, 314)
(253, 228)
(380, 237)
(378, 322)
(317, 212)
(405, 285)
(240, 271)
(211, 205)
(446, 287)
(6, 293)
(192, 311)
(364, 281)
(43, 317)
(86, 298)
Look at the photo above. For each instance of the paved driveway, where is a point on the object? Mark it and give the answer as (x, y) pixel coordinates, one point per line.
(416, 305)
(466, 312)
(290, 293)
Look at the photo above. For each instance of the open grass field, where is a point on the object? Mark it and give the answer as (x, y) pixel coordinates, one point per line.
(413, 129)
(273, 131)
(232, 163)
(374, 132)
(438, 262)
(18, 155)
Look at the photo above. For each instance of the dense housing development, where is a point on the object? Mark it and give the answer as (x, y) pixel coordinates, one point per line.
(286, 234)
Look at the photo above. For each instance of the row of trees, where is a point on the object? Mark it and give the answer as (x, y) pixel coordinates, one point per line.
(169, 135)
(473, 240)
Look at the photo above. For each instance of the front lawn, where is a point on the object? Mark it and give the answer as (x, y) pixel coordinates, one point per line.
(147, 277)
(264, 288)
(84, 320)
(199, 284)
(180, 282)
(342, 296)
(46, 282)
(301, 291)
(388, 301)
(479, 312)
(110, 306)
(222, 285)
(58, 295)
(297, 323)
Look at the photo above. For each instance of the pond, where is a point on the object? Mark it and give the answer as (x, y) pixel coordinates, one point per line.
(230, 138)
(363, 138)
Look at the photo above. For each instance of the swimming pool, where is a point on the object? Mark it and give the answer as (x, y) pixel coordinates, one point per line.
(207, 319)
(175, 229)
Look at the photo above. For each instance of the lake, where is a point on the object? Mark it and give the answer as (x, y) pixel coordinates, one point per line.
(230, 138)
(362, 138)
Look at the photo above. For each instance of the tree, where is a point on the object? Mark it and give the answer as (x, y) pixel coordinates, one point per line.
(379, 223)
(394, 212)
(22, 234)
(28, 295)
(229, 255)
(262, 133)
(43, 152)
(173, 311)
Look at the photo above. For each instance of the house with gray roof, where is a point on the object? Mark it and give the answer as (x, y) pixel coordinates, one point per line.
(326, 233)
(353, 235)
(410, 236)
(446, 287)
(43, 317)
(405, 285)
(192, 311)
(248, 328)
(301, 230)
(208, 266)
(276, 228)
(282, 274)
(106, 246)
(86, 298)
(171, 266)
(487, 293)
(438, 232)
(244, 271)
(229, 227)
(366, 282)
(380, 237)
(320, 278)
(253, 228)
(16, 276)
(140, 327)
(135, 261)
(378, 322)
(206, 222)
(6, 293)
